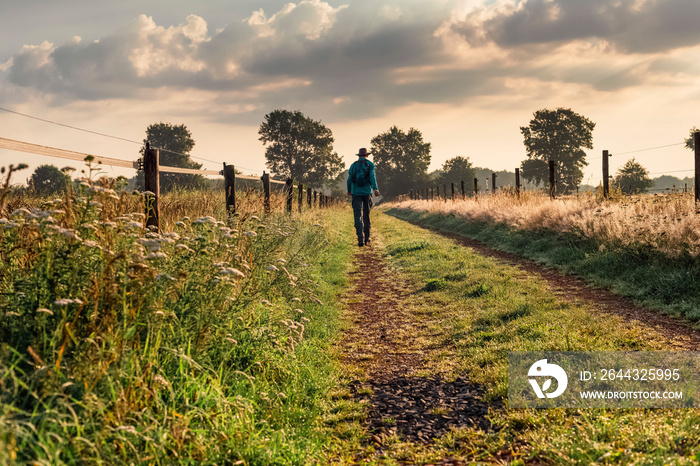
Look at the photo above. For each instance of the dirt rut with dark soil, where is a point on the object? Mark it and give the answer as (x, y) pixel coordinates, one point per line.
(383, 341)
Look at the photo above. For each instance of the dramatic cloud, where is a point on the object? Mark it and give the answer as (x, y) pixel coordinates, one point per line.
(633, 25)
(364, 59)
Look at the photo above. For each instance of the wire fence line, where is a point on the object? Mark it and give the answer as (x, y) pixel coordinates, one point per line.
(30, 148)
(118, 138)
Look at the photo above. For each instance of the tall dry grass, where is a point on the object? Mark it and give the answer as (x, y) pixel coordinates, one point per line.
(666, 223)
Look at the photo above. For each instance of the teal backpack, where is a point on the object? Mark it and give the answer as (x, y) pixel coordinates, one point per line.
(361, 181)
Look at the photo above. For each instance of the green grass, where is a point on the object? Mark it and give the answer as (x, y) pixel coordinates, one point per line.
(483, 309)
(641, 273)
(207, 344)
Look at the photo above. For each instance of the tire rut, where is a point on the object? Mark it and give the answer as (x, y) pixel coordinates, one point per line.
(382, 341)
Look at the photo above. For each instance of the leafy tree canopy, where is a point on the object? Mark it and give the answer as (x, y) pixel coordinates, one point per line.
(401, 160)
(633, 178)
(174, 143)
(559, 135)
(299, 148)
(690, 140)
(47, 179)
(456, 170)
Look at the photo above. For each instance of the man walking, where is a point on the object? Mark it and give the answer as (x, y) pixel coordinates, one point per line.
(361, 183)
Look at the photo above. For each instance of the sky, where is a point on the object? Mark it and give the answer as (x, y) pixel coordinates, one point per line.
(466, 73)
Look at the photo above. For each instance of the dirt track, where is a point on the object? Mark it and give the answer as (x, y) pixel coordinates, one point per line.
(383, 341)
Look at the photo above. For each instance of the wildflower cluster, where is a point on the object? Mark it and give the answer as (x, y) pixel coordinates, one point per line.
(107, 327)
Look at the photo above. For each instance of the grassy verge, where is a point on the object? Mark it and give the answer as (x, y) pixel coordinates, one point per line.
(642, 273)
(477, 310)
(207, 344)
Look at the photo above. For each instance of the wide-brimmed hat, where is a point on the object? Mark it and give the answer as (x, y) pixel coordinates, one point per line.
(363, 152)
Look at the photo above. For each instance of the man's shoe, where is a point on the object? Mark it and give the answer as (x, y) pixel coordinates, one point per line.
(367, 242)
(360, 243)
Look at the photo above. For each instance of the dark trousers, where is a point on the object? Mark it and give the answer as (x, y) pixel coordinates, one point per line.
(360, 209)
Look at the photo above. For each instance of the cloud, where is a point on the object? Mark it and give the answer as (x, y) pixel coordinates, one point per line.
(366, 58)
(637, 26)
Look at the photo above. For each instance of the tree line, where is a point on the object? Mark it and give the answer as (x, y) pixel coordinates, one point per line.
(299, 147)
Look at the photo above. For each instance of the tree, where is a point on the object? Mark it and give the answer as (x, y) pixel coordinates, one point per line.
(690, 140)
(299, 148)
(559, 135)
(633, 178)
(47, 179)
(456, 170)
(174, 143)
(401, 160)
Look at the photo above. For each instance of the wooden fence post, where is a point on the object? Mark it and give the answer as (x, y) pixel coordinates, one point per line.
(315, 196)
(230, 188)
(308, 197)
(476, 187)
(152, 183)
(301, 196)
(493, 183)
(266, 192)
(453, 191)
(696, 141)
(444, 191)
(552, 182)
(464, 195)
(606, 179)
(432, 194)
(288, 189)
(517, 182)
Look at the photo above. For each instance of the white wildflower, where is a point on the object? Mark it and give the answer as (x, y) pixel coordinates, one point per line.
(70, 233)
(180, 224)
(91, 244)
(63, 302)
(134, 225)
(183, 247)
(164, 276)
(148, 193)
(296, 300)
(45, 311)
(157, 255)
(150, 244)
(232, 271)
(281, 261)
(20, 211)
(272, 268)
(95, 204)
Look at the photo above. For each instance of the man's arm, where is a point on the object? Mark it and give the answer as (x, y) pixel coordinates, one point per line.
(373, 180)
(349, 183)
